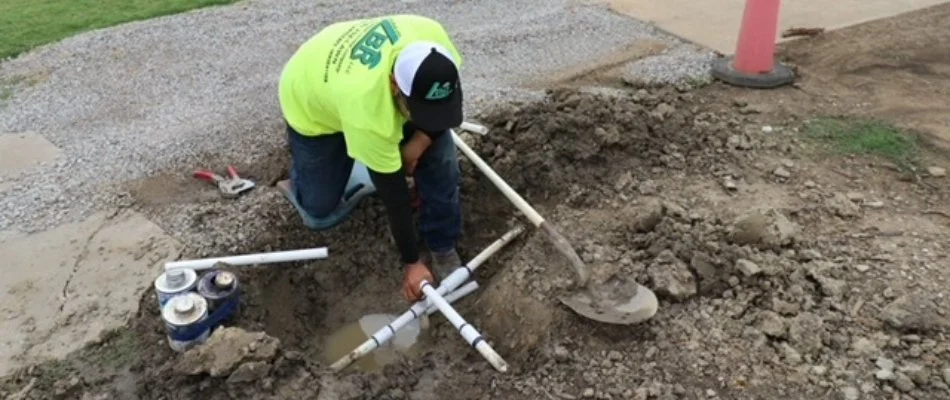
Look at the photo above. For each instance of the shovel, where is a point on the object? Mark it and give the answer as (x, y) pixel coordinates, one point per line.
(618, 300)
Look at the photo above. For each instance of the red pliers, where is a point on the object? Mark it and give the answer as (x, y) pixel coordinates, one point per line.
(230, 187)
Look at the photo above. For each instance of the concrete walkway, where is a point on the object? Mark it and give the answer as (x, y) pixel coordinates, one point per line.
(715, 23)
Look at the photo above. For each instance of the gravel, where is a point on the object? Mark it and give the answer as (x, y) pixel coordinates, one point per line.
(152, 97)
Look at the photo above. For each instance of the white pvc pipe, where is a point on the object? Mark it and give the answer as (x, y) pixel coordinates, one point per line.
(250, 259)
(471, 335)
(459, 293)
(464, 272)
(471, 127)
(510, 193)
(449, 284)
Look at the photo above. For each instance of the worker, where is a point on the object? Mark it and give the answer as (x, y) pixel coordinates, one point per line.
(368, 103)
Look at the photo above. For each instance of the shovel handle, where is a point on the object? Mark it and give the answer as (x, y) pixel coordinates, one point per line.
(519, 202)
(561, 243)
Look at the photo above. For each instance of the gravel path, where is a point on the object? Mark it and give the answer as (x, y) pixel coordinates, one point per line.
(144, 98)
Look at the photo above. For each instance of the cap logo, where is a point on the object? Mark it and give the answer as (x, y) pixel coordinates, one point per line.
(439, 91)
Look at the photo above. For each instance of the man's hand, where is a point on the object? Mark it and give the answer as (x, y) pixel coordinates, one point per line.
(414, 275)
(413, 149)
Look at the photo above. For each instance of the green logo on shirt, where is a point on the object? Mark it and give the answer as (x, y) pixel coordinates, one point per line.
(439, 91)
(367, 49)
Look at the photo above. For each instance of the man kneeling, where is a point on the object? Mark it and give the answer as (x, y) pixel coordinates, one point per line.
(367, 103)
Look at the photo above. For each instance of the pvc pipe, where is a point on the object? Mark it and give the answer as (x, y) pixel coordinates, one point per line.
(250, 259)
(464, 272)
(459, 293)
(386, 333)
(479, 129)
(510, 193)
(465, 329)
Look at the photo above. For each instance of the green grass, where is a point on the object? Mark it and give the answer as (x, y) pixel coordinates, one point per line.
(866, 137)
(25, 24)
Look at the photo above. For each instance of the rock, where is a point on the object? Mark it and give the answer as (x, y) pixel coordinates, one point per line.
(646, 217)
(850, 393)
(862, 267)
(66, 388)
(903, 383)
(561, 353)
(855, 197)
(885, 375)
(809, 255)
(936, 171)
(946, 375)
(648, 188)
(792, 356)
(811, 184)
(588, 393)
(885, 363)
(671, 277)
(781, 172)
(711, 278)
(767, 230)
(915, 312)
(772, 325)
(614, 355)
(831, 287)
(805, 332)
(748, 268)
(864, 347)
(227, 348)
(249, 372)
(843, 207)
(917, 373)
(729, 184)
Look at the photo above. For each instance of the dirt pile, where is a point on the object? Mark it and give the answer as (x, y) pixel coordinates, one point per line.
(592, 161)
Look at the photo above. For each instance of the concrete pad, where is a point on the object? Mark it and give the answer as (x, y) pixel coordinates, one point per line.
(63, 288)
(715, 23)
(19, 151)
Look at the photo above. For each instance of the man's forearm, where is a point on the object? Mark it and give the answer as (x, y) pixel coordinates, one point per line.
(394, 193)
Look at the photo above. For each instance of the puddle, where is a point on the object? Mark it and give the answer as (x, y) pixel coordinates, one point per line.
(351, 336)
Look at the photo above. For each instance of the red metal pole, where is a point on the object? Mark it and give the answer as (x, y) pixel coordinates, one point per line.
(755, 50)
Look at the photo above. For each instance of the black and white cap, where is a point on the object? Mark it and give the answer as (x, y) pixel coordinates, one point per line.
(429, 78)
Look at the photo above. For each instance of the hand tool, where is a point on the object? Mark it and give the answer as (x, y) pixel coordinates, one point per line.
(617, 300)
(230, 187)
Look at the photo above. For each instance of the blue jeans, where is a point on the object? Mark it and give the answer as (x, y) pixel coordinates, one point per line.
(321, 170)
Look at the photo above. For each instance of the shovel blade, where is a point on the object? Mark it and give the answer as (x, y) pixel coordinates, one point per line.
(620, 301)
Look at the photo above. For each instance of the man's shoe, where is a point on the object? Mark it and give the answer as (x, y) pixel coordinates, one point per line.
(443, 264)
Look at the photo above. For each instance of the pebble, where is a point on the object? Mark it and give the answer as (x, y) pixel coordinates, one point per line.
(748, 268)
(946, 375)
(588, 393)
(864, 346)
(781, 172)
(936, 171)
(771, 324)
(811, 184)
(904, 383)
(862, 267)
(884, 375)
(850, 393)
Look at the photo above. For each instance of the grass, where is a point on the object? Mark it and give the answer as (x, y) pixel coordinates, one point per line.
(867, 137)
(25, 24)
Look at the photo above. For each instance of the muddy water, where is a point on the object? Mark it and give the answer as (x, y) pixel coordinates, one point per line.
(351, 336)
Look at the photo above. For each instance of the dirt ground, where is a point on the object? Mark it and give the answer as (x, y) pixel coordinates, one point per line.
(784, 272)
